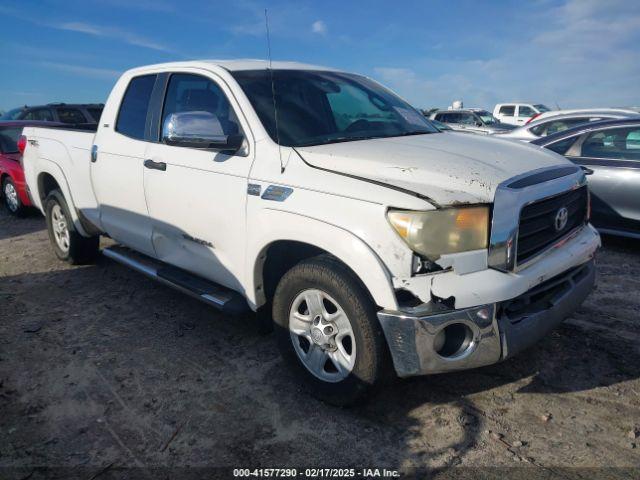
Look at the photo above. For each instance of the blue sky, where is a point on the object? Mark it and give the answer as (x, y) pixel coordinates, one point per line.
(576, 53)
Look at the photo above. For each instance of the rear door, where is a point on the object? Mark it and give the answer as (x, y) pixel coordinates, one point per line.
(197, 197)
(117, 173)
(614, 156)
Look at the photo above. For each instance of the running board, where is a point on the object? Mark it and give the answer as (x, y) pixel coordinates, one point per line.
(220, 297)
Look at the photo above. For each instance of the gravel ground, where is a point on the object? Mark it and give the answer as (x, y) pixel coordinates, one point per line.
(102, 369)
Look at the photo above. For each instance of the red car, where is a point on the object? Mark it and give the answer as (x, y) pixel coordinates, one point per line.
(14, 191)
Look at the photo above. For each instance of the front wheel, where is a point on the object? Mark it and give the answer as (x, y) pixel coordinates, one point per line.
(67, 243)
(328, 330)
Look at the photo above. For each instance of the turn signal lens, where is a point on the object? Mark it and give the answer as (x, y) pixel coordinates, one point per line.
(438, 232)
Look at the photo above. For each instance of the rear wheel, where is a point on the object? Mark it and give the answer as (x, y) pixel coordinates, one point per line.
(11, 198)
(67, 243)
(328, 330)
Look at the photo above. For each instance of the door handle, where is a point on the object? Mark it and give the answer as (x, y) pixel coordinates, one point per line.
(155, 165)
(587, 171)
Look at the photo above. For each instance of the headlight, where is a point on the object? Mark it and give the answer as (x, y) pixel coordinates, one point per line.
(437, 232)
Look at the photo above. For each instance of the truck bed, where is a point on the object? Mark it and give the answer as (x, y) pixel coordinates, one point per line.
(64, 153)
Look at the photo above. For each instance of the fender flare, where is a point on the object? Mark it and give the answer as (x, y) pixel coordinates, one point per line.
(277, 225)
(53, 169)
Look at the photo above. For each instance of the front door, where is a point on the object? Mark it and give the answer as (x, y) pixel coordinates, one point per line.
(117, 172)
(197, 200)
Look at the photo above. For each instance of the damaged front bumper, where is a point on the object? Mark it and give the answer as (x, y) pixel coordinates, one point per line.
(423, 342)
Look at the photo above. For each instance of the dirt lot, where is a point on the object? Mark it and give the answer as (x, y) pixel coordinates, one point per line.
(101, 368)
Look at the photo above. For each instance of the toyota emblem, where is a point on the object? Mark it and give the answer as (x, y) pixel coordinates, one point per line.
(562, 217)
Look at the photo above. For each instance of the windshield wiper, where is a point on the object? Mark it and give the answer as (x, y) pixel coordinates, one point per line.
(336, 140)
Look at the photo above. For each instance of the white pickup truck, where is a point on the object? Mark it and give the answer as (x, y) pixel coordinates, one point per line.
(322, 200)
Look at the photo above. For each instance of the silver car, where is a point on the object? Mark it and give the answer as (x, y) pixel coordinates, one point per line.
(555, 122)
(471, 120)
(609, 152)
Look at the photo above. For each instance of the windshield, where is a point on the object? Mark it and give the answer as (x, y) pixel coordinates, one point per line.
(12, 114)
(542, 108)
(486, 117)
(9, 139)
(317, 107)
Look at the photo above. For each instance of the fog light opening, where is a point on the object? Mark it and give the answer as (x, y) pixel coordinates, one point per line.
(453, 340)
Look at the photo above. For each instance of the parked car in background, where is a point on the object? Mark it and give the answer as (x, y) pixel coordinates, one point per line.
(443, 127)
(518, 113)
(611, 112)
(471, 120)
(610, 151)
(58, 112)
(359, 228)
(14, 192)
(559, 121)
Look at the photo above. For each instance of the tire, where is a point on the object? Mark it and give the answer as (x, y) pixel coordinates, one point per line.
(356, 354)
(11, 198)
(67, 243)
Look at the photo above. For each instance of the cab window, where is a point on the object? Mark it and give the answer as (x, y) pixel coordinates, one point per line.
(524, 111)
(132, 117)
(507, 110)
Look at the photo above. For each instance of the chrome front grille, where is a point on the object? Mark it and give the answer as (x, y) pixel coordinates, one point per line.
(547, 221)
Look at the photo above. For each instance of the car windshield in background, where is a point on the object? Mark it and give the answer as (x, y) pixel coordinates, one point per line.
(318, 107)
(486, 117)
(9, 139)
(11, 114)
(542, 108)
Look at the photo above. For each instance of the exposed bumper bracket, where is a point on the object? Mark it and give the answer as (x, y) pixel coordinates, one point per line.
(495, 331)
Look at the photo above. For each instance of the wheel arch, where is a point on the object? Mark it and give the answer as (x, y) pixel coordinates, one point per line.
(295, 238)
(50, 177)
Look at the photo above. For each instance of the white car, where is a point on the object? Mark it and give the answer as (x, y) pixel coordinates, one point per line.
(557, 121)
(518, 113)
(323, 201)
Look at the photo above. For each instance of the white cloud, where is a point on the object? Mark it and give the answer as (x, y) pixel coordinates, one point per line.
(583, 53)
(319, 27)
(112, 32)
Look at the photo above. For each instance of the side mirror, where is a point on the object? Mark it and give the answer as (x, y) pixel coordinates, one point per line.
(198, 130)
(478, 123)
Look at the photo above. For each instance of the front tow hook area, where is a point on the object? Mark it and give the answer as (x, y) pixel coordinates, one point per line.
(435, 343)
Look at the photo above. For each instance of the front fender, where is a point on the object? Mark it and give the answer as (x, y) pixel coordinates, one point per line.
(275, 225)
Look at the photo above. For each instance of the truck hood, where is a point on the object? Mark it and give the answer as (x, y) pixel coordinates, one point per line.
(447, 168)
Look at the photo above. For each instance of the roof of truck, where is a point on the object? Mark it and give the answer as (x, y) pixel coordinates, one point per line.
(240, 64)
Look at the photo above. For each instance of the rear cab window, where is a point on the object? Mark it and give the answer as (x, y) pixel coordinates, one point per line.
(132, 116)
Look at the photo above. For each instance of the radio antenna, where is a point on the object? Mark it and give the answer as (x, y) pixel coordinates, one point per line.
(273, 91)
